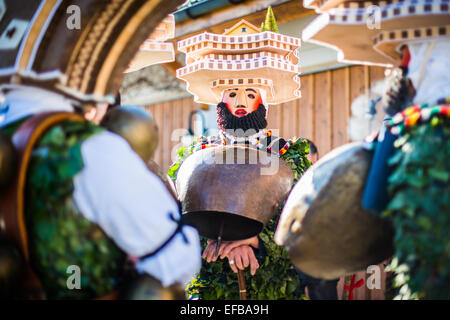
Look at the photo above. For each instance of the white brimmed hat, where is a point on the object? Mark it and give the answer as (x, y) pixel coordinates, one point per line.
(242, 56)
(372, 32)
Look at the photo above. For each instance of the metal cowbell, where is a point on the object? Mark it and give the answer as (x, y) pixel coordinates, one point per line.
(231, 192)
(325, 229)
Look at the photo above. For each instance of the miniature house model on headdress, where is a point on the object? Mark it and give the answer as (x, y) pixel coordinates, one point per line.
(155, 50)
(242, 56)
(372, 32)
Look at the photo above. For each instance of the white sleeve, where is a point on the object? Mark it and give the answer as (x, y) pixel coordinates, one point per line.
(117, 191)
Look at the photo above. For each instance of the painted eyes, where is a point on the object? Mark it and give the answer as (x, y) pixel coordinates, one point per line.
(250, 95)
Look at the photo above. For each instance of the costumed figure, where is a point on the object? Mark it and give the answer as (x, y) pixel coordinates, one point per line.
(244, 70)
(76, 199)
(403, 177)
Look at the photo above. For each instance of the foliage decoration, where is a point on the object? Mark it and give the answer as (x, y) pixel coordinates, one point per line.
(59, 236)
(182, 153)
(420, 211)
(296, 157)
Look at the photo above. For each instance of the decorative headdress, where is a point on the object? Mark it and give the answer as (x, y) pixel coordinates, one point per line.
(155, 50)
(372, 32)
(242, 56)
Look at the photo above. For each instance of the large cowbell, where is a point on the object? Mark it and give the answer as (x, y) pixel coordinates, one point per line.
(231, 192)
(325, 229)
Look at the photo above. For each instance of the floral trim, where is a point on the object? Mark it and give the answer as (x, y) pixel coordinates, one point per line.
(417, 114)
(286, 147)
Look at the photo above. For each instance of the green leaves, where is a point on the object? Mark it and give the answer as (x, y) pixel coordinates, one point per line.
(419, 210)
(275, 279)
(296, 157)
(59, 235)
(182, 154)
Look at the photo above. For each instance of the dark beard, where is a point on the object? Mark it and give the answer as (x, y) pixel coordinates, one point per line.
(241, 126)
(400, 91)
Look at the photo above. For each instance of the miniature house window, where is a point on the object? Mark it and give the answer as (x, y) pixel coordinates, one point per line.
(244, 29)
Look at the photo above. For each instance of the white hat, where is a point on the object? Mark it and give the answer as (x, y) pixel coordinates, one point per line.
(242, 56)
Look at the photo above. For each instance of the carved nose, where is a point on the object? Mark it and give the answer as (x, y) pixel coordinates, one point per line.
(241, 106)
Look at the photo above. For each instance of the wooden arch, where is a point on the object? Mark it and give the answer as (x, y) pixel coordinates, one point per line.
(46, 46)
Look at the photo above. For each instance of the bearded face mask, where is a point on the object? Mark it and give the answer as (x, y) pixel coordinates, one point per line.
(241, 109)
(242, 101)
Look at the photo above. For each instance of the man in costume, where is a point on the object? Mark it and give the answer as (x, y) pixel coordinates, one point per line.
(408, 180)
(81, 199)
(244, 85)
(117, 209)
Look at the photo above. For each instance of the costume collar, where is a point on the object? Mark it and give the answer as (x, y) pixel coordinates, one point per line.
(254, 139)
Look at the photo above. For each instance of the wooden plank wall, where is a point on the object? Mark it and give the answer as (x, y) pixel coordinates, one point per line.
(172, 119)
(321, 115)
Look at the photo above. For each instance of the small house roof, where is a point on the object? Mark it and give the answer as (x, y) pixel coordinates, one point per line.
(250, 28)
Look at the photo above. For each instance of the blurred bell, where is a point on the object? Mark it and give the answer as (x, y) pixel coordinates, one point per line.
(325, 229)
(11, 269)
(7, 159)
(137, 126)
(231, 192)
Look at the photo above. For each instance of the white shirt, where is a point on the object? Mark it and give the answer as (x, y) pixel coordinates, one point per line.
(434, 64)
(116, 190)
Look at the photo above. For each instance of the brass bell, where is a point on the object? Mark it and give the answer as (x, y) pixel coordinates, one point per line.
(325, 229)
(137, 126)
(7, 159)
(231, 192)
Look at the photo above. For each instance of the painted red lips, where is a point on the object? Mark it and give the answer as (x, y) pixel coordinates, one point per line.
(240, 112)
